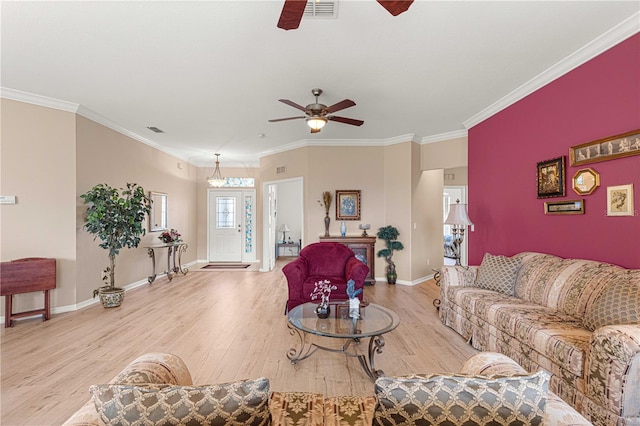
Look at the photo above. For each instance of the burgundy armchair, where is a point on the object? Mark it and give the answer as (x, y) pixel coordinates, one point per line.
(323, 261)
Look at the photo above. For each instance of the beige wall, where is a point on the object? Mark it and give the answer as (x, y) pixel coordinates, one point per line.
(445, 154)
(50, 157)
(38, 166)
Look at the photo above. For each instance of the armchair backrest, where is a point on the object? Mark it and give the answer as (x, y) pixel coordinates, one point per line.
(326, 259)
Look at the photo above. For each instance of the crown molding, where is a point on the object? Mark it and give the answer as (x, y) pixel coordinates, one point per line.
(614, 36)
(456, 134)
(45, 101)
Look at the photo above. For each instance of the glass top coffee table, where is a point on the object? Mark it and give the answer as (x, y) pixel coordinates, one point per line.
(375, 321)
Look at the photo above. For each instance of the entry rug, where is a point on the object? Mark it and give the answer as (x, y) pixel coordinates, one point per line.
(226, 266)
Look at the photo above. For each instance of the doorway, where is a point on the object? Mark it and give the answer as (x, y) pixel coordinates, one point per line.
(450, 195)
(230, 225)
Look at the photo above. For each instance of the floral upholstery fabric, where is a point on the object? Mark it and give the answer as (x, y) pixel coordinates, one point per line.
(349, 410)
(619, 303)
(297, 408)
(461, 400)
(238, 403)
(498, 273)
(544, 326)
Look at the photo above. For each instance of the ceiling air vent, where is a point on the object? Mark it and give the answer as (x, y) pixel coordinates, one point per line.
(321, 9)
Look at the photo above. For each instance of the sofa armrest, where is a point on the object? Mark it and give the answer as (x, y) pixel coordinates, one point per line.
(296, 272)
(463, 276)
(490, 364)
(613, 369)
(148, 368)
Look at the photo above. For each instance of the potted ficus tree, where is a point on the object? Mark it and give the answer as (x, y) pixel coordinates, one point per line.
(390, 235)
(115, 216)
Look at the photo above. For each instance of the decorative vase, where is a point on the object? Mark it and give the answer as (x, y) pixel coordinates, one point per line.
(343, 229)
(323, 311)
(327, 221)
(391, 277)
(111, 297)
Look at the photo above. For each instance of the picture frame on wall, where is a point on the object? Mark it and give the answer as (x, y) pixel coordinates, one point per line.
(620, 200)
(551, 178)
(622, 145)
(347, 204)
(564, 207)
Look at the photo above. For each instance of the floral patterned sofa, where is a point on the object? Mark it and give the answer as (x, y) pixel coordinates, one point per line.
(577, 319)
(168, 372)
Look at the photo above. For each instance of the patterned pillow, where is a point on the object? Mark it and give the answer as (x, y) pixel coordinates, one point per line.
(619, 303)
(239, 403)
(498, 273)
(461, 400)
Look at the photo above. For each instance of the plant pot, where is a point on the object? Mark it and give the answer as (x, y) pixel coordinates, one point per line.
(111, 297)
(391, 277)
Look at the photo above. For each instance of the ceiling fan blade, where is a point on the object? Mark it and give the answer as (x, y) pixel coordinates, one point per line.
(340, 105)
(315, 130)
(285, 119)
(291, 14)
(293, 104)
(396, 7)
(346, 120)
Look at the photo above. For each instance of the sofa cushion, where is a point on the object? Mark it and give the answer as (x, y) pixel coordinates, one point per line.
(498, 273)
(567, 285)
(244, 402)
(468, 400)
(297, 408)
(619, 303)
(349, 410)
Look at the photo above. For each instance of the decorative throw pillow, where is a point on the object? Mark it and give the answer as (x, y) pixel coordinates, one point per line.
(238, 403)
(461, 400)
(619, 303)
(498, 273)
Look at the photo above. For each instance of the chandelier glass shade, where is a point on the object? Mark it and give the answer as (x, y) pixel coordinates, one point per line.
(216, 179)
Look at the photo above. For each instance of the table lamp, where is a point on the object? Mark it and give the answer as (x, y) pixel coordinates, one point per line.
(284, 229)
(459, 218)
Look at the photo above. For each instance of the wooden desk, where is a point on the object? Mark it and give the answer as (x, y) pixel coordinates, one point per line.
(26, 276)
(364, 248)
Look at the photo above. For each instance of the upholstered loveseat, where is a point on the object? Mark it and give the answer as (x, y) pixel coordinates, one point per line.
(577, 319)
(156, 370)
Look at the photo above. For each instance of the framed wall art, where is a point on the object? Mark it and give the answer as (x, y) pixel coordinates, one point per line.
(623, 145)
(564, 207)
(585, 181)
(551, 178)
(620, 200)
(348, 204)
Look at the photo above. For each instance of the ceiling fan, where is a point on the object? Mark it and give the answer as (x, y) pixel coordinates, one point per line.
(317, 114)
(293, 10)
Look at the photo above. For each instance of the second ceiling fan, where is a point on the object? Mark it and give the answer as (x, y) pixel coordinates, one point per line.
(293, 10)
(317, 114)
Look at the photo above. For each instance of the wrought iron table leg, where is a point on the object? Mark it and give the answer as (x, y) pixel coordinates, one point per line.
(305, 350)
(376, 343)
(181, 249)
(152, 255)
(169, 273)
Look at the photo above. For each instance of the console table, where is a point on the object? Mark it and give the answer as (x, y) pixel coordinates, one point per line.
(26, 276)
(364, 248)
(290, 245)
(174, 259)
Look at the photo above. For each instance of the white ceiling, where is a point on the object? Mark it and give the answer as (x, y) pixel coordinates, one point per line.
(210, 73)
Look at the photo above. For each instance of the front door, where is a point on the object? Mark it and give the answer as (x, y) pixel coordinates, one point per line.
(225, 226)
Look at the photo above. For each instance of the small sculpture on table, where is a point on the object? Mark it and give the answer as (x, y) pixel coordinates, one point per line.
(354, 302)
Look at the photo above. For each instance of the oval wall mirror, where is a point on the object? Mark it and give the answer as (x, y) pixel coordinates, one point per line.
(585, 181)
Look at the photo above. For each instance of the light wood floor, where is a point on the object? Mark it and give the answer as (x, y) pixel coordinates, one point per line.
(224, 325)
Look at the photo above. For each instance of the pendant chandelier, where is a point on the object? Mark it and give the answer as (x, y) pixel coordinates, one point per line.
(216, 179)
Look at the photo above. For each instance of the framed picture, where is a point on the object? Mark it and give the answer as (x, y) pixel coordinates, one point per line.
(585, 181)
(564, 207)
(348, 205)
(623, 145)
(551, 178)
(620, 200)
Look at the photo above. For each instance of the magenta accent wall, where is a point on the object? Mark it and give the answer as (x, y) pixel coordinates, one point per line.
(599, 99)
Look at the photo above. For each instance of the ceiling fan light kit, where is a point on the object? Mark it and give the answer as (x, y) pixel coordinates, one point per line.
(317, 114)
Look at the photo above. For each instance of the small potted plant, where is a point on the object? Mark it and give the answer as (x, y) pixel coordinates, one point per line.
(116, 217)
(322, 289)
(390, 235)
(169, 237)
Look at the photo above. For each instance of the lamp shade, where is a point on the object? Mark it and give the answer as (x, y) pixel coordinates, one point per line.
(458, 215)
(284, 228)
